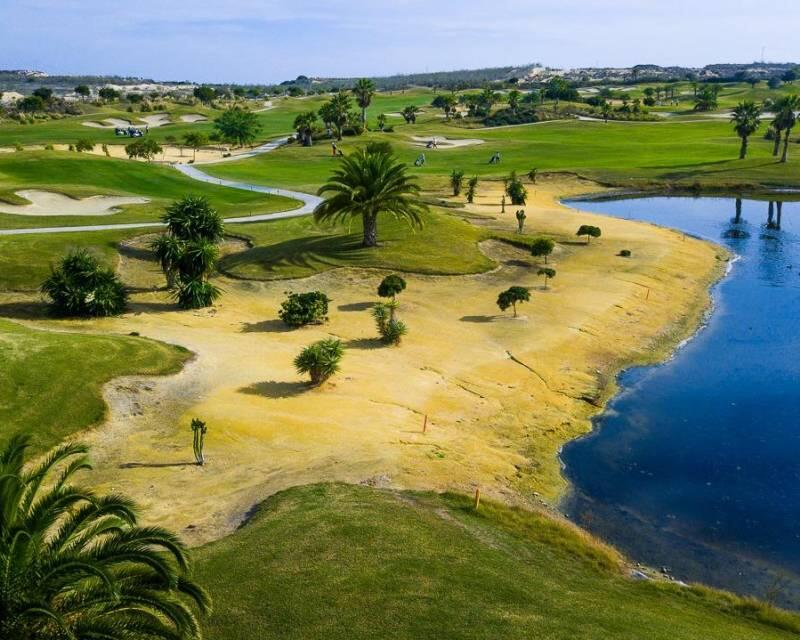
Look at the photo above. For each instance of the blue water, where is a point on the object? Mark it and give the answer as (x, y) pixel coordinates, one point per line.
(695, 466)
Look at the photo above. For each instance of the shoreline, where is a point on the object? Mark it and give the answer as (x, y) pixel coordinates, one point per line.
(492, 424)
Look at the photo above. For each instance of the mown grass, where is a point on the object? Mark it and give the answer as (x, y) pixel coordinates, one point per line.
(82, 175)
(276, 121)
(297, 247)
(51, 383)
(337, 561)
(26, 260)
(700, 153)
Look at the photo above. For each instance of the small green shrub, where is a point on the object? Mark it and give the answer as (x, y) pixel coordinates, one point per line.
(300, 309)
(625, 253)
(320, 360)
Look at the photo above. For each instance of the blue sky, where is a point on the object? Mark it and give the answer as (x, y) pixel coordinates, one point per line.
(264, 41)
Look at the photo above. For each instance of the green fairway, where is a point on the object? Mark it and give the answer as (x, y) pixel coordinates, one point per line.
(297, 247)
(25, 260)
(50, 383)
(685, 154)
(275, 121)
(336, 561)
(81, 175)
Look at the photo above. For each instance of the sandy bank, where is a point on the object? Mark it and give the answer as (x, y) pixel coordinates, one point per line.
(501, 396)
(47, 203)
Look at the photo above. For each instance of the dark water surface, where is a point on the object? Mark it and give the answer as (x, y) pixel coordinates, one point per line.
(695, 466)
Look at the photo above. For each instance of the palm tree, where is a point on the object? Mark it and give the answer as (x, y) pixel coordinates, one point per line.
(785, 120)
(746, 118)
(304, 125)
(410, 114)
(76, 564)
(369, 182)
(363, 90)
(188, 250)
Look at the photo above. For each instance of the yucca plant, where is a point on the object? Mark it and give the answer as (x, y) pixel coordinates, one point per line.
(75, 565)
(80, 286)
(196, 293)
(390, 328)
(189, 249)
(320, 360)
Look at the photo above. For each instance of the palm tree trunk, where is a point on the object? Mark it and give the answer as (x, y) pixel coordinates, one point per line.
(364, 116)
(743, 149)
(370, 230)
(785, 145)
(777, 145)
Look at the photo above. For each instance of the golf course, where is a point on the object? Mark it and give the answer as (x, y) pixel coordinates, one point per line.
(413, 488)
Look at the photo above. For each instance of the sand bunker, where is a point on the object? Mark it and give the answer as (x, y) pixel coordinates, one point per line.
(193, 117)
(446, 143)
(108, 123)
(47, 203)
(158, 120)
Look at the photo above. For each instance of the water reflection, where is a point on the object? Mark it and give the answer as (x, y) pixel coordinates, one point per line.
(696, 465)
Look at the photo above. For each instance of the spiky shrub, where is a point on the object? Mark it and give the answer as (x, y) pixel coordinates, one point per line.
(195, 293)
(188, 251)
(80, 286)
(77, 565)
(320, 360)
(390, 286)
(516, 190)
(199, 430)
(511, 296)
(472, 189)
(389, 328)
(300, 309)
(457, 181)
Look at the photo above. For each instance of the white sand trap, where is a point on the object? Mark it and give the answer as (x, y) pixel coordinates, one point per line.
(108, 123)
(47, 203)
(446, 143)
(158, 120)
(193, 117)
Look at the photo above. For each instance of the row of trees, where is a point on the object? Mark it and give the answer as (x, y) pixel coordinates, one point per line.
(746, 119)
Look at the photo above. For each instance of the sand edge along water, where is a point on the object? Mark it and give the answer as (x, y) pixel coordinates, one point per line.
(501, 395)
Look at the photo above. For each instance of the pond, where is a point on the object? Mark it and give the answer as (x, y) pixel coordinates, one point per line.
(695, 466)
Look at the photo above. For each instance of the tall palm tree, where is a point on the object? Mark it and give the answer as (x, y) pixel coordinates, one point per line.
(785, 120)
(75, 565)
(367, 183)
(363, 90)
(746, 118)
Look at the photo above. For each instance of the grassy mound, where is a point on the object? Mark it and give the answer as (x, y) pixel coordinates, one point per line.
(50, 383)
(81, 175)
(337, 561)
(297, 247)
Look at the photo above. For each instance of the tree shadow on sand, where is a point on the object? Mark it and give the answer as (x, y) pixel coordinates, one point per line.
(478, 319)
(275, 389)
(266, 326)
(364, 343)
(155, 465)
(356, 306)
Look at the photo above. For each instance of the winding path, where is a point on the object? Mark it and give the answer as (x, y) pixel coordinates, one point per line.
(308, 202)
